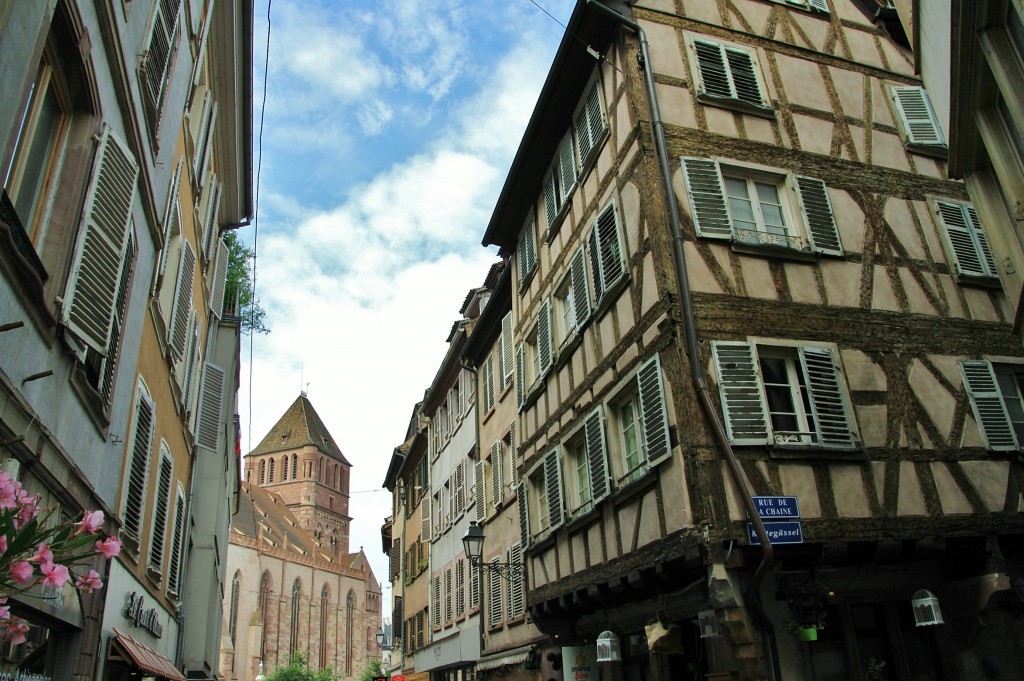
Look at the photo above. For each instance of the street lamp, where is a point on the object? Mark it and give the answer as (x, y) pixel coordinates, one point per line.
(473, 541)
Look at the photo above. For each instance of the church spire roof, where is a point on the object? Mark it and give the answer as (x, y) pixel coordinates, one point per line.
(300, 426)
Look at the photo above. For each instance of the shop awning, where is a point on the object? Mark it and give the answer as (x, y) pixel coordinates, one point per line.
(514, 656)
(147, 659)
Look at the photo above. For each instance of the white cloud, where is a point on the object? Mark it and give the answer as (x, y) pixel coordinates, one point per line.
(374, 117)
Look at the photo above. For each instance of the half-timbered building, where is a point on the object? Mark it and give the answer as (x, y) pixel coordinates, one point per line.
(766, 378)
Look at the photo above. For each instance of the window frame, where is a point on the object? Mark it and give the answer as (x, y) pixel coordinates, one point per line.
(966, 241)
(919, 123)
(989, 402)
(730, 95)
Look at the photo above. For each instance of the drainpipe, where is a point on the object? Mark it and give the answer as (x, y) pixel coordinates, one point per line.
(751, 594)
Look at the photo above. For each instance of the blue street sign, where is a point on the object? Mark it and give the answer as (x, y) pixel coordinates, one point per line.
(785, 532)
(777, 507)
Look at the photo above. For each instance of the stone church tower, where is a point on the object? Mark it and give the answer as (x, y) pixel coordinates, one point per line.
(299, 461)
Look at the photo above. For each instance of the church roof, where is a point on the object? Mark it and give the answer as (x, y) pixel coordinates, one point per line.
(260, 508)
(300, 426)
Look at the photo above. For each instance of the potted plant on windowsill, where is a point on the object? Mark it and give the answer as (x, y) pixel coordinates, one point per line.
(806, 630)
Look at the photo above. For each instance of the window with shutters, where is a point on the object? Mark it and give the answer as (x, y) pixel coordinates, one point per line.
(526, 254)
(137, 482)
(516, 584)
(161, 512)
(728, 75)
(607, 265)
(156, 61)
(966, 242)
(996, 392)
(570, 304)
(559, 183)
(818, 6)
(435, 601)
(534, 357)
(495, 616)
(587, 479)
(487, 386)
(760, 209)
(783, 395)
(506, 363)
(544, 497)
(449, 596)
(919, 123)
(638, 420)
(589, 125)
(460, 588)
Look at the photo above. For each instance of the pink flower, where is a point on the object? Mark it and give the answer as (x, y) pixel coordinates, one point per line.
(43, 555)
(21, 572)
(91, 521)
(8, 493)
(5, 612)
(89, 582)
(56, 575)
(15, 630)
(109, 547)
(3, 543)
(29, 509)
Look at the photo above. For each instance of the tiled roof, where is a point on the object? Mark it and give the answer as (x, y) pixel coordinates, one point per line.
(300, 426)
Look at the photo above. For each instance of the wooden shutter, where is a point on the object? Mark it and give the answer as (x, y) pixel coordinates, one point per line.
(182, 301)
(580, 291)
(595, 266)
(91, 292)
(138, 474)
(553, 489)
(706, 193)
(527, 251)
(988, 405)
(712, 69)
(171, 226)
(566, 167)
(436, 600)
(177, 541)
(506, 366)
(967, 241)
(191, 362)
(920, 123)
(480, 490)
(219, 281)
(516, 584)
(550, 200)
(743, 72)
(654, 411)
(597, 456)
(488, 387)
(497, 491)
(494, 614)
(520, 375)
(544, 349)
(160, 511)
(817, 209)
(513, 455)
(746, 417)
(460, 488)
(448, 595)
(394, 561)
(828, 404)
(589, 123)
(211, 401)
(524, 513)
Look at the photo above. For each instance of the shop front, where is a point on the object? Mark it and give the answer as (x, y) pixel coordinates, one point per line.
(140, 635)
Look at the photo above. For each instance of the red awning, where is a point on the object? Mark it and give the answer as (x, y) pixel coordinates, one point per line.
(147, 659)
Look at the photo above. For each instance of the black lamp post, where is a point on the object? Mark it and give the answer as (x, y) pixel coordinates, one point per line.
(473, 541)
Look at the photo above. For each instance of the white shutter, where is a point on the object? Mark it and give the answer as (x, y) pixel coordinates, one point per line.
(527, 251)
(828, 403)
(712, 69)
(91, 292)
(171, 225)
(513, 455)
(497, 488)
(821, 225)
(516, 584)
(743, 72)
(597, 455)
(212, 218)
(460, 488)
(425, 518)
(589, 123)
(967, 241)
(494, 614)
(746, 417)
(505, 361)
(920, 123)
(551, 201)
(197, 70)
(988, 405)
(566, 167)
(580, 291)
(160, 511)
(819, 5)
(607, 229)
(177, 541)
(211, 400)
(436, 601)
(520, 375)
(488, 387)
(448, 595)
(480, 490)
(653, 410)
(189, 369)
(705, 190)
(138, 474)
(182, 301)
(203, 169)
(219, 281)
(544, 348)
(553, 489)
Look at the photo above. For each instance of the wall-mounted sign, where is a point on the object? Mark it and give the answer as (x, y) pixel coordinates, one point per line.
(783, 532)
(148, 619)
(579, 663)
(777, 507)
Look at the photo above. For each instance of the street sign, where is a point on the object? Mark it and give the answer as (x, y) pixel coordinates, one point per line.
(777, 507)
(782, 532)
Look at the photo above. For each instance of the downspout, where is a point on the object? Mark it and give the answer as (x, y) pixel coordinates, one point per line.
(751, 594)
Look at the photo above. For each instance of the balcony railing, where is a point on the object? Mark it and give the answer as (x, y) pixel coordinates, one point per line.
(753, 237)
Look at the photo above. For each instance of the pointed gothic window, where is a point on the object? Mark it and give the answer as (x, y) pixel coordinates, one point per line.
(293, 638)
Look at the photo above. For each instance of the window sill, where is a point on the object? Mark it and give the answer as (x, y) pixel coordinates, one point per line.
(939, 151)
(803, 254)
(533, 392)
(795, 451)
(737, 105)
(556, 224)
(636, 486)
(980, 282)
(91, 400)
(524, 283)
(27, 278)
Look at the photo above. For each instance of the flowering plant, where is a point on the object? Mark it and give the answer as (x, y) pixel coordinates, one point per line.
(34, 551)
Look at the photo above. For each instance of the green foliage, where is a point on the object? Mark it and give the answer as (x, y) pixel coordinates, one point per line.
(239, 280)
(373, 669)
(298, 670)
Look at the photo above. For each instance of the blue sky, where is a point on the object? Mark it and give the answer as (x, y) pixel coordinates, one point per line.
(389, 128)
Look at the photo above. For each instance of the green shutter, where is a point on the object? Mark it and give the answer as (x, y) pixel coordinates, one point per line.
(580, 292)
(597, 455)
(920, 123)
(712, 69)
(746, 417)
(544, 348)
(566, 167)
(988, 405)
(828, 404)
(520, 375)
(706, 192)
(480, 490)
(553, 489)
(817, 209)
(653, 410)
(972, 255)
(743, 72)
